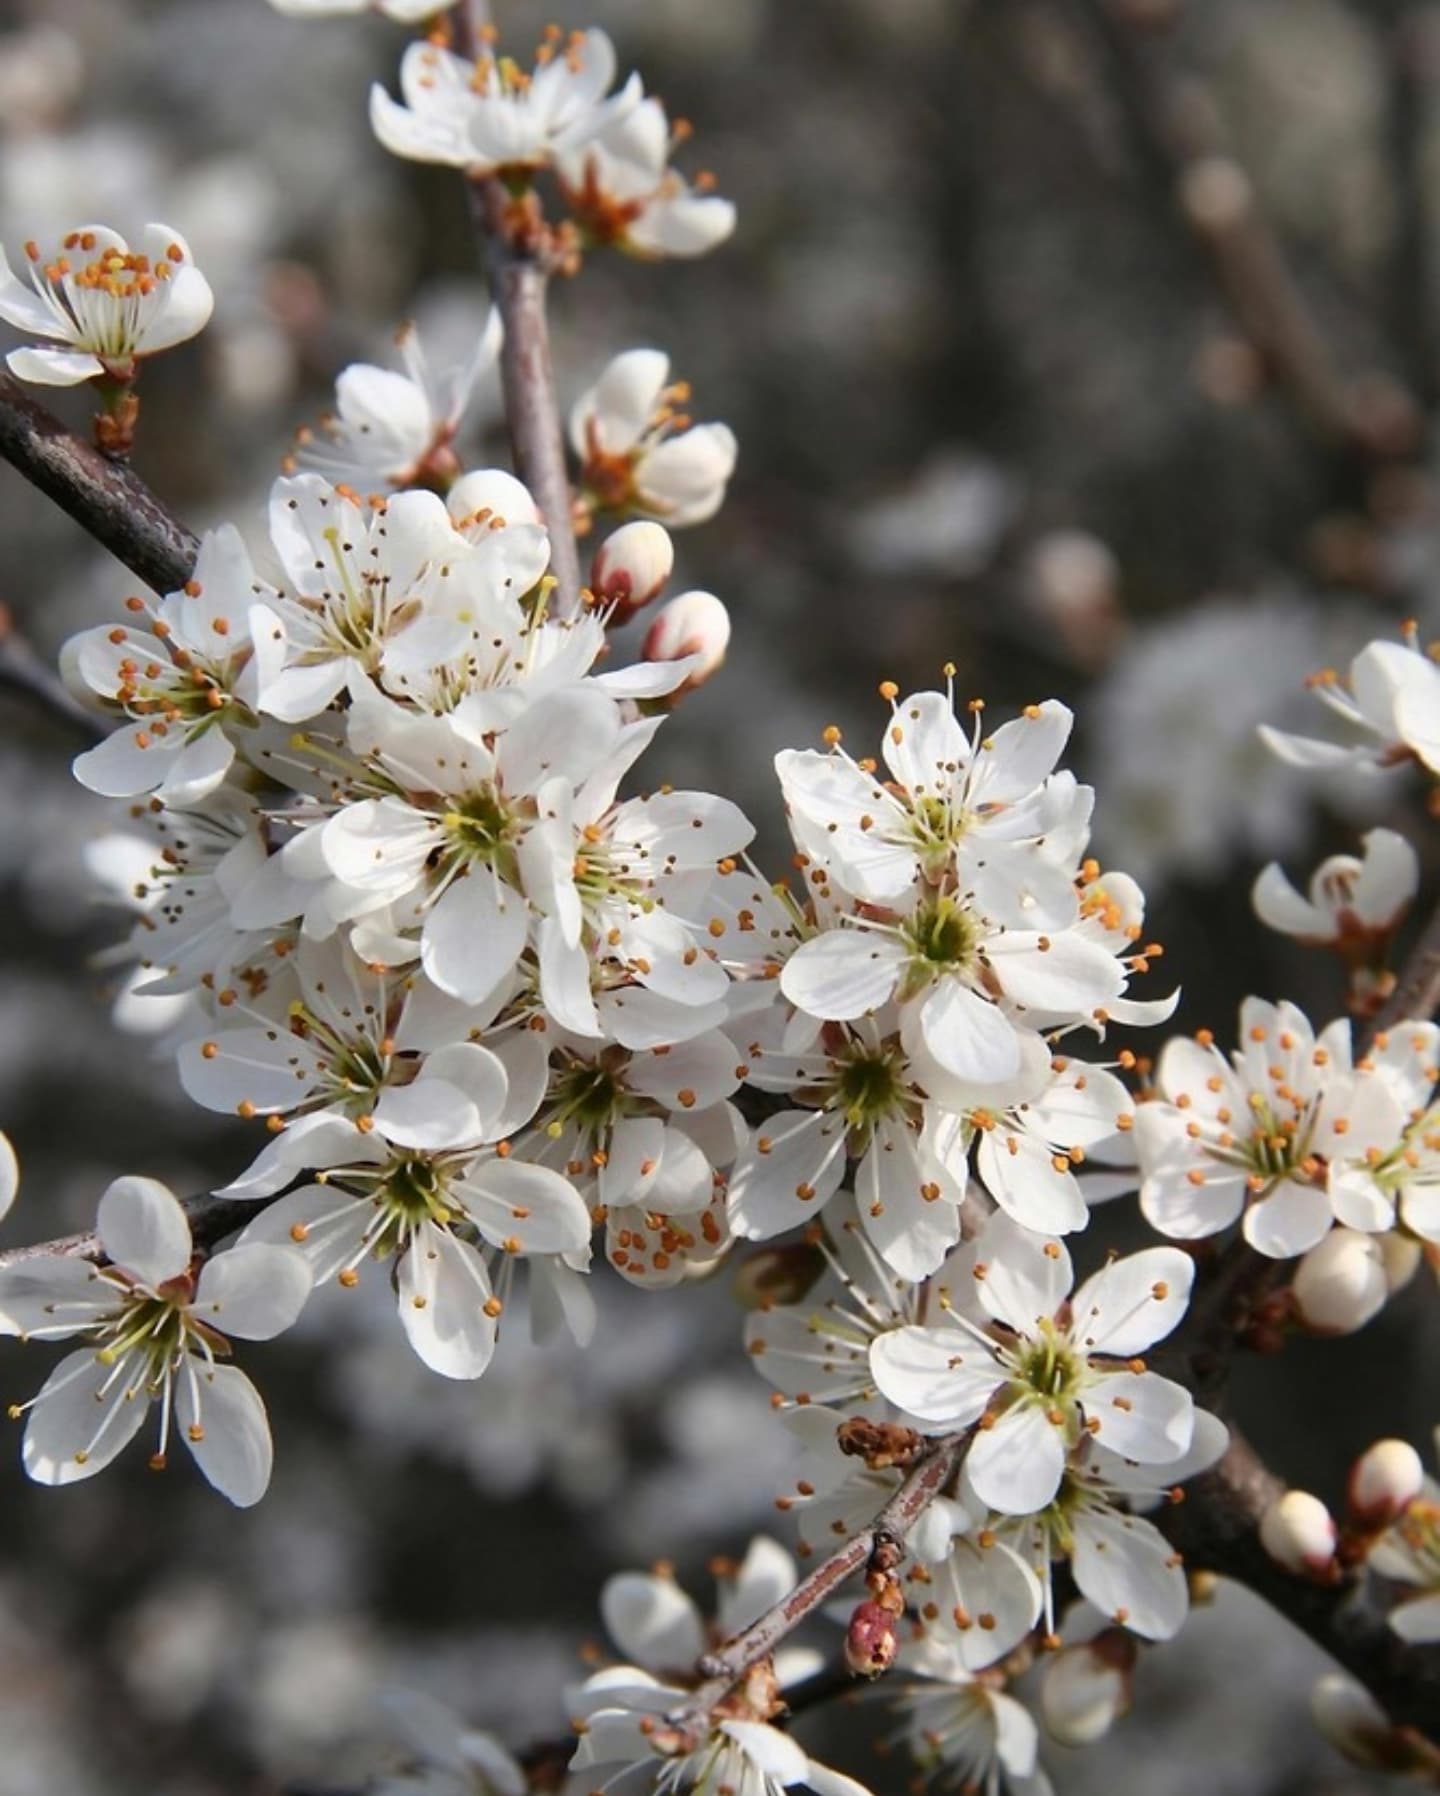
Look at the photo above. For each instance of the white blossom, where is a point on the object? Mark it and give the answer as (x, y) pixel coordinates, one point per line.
(441, 1756)
(621, 189)
(1252, 1136)
(156, 1330)
(178, 677)
(960, 1730)
(405, 12)
(1393, 1179)
(389, 430)
(100, 306)
(490, 114)
(640, 454)
(1353, 904)
(1055, 1371)
(1391, 696)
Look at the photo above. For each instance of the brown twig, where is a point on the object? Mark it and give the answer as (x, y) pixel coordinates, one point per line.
(724, 1668)
(31, 675)
(106, 498)
(1180, 141)
(520, 260)
(1417, 990)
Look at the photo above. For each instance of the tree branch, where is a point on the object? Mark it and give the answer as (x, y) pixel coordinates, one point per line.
(210, 1218)
(1416, 996)
(1179, 140)
(723, 1668)
(106, 498)
(1217, 1526)
(520, 257)
(31, 676)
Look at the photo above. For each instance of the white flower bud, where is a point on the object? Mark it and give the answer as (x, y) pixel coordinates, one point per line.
(631, 567)
(1383, 1480)
(1298, 1532)
(1352, 1721)
(1340, 1284)
(1087, 1688)
(1402, 1255)
(694, 624)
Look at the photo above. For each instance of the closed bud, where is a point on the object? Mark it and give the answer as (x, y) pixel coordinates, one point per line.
(1383, 1480)
(872, 1640)
(1297, 1531)
(694, 624)
(631, 567)
(1086, 1688)
(1354, 1723)
(1341, 1283)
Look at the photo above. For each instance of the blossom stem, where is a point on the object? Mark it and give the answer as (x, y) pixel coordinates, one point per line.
(1217, 1527)
(103, 496)
(723, 1668)
(519, 263)
(1417, 991)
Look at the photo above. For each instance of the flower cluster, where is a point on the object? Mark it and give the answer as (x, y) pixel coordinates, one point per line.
(609, 151)
(1292, 1136)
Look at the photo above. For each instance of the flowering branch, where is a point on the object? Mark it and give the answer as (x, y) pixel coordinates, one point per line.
(104, 497)
(723, 1668)
(521, 256)
(1217, 1529)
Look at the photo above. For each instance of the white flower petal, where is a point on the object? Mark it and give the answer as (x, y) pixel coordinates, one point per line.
(253, 1291)
(143, 1229)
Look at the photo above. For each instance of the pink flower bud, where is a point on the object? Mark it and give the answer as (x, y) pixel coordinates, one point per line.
(1341, 1284)
(1086, 1688)
(1383, 1480)
(694, 624)
(1298, 1533)
(872, 1640)
(631, 567)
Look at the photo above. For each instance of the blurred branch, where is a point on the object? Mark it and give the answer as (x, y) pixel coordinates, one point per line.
(1414, 58)
(1216, 1527)
(106, 498)
(31, 675)
(1417, 990)
(1178, 137)
(521, 254)
(724, 1668)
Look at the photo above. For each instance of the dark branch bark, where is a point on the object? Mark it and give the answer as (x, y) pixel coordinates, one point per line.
(1216, 1527)
(1416, 996)
(104, 497)
(30, 675)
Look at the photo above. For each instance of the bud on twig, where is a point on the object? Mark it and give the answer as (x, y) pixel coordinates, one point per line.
(631, 567)
(1340, 1285)
(1086, 1688)
(872, 1640)
(880, 1444)
(1383, 1481)
(694, 624)
(1298, 1533)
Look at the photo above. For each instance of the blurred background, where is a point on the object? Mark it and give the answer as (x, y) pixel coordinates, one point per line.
(1089, 344)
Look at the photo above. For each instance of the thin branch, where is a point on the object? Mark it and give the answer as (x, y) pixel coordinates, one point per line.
(1179, 139)
(520, 257)
(31, 676)
(725, 1667)
(1216, 1527)
(106, 498)
(1416, 996)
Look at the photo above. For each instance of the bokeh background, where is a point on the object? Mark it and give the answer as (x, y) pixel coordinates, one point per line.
(1089, 344)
